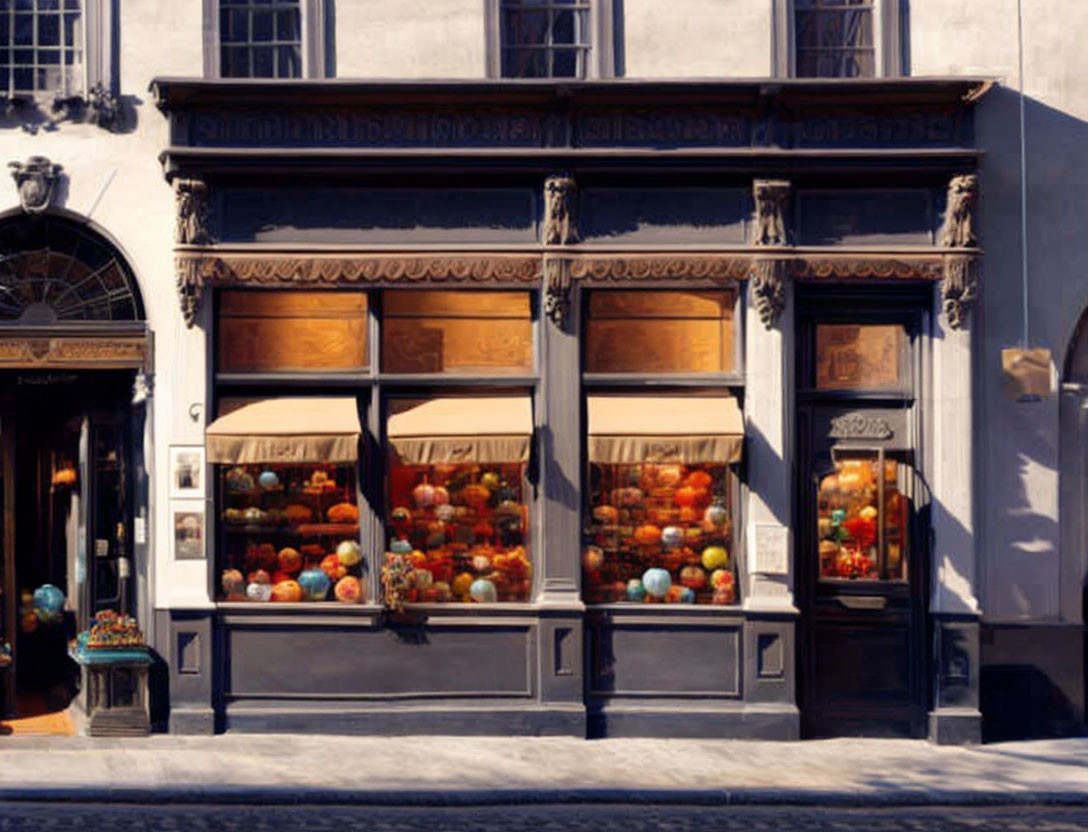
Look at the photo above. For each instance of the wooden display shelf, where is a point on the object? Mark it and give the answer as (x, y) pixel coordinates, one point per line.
(300, 529)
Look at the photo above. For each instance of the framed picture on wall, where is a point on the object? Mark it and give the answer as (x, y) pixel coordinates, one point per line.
(189, 533)
(187, 471)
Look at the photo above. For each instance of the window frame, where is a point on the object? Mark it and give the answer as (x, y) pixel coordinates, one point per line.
(601, 56)
(99, 32)
(314, 42)
(890, 31)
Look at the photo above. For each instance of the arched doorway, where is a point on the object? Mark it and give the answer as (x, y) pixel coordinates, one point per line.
(72, 341)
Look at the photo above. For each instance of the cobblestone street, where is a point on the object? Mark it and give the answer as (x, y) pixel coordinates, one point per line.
(15, 817)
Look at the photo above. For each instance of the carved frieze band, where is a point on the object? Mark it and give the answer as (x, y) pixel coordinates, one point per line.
(724, 268)
(72, 352)
(867, 268)
(860, 426)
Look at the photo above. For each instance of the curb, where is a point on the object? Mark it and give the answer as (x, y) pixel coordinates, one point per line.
(216, 795)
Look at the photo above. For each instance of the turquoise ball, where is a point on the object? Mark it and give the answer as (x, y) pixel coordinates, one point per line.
(315, 584)
(657, 582)
(635, 590)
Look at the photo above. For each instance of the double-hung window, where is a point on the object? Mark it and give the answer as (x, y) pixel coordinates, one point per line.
(839, 38)
(42, 48)
(550, 39)
(265, 38)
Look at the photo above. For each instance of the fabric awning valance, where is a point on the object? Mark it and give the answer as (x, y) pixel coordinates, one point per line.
(463, 429)
(287, 430)
(684, 429)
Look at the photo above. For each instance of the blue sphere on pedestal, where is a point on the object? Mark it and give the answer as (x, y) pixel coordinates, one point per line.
(657, 582)
(48, 601)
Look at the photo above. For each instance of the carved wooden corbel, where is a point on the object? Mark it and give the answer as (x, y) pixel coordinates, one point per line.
(194, 216)
(557, 290)
(190, 283)
(767, 288)
(959, 287)
(771, 196)
(560, 223)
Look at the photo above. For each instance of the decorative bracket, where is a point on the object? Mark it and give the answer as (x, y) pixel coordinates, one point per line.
(190, 282)
(771, 196)
(557, 290)
(767, 288)
(194, 217)
(958, 230)
(560, 223)
(959, 287)
(36, 181)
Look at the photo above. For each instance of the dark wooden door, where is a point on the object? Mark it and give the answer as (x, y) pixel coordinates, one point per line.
(861, 553)
(8, 590)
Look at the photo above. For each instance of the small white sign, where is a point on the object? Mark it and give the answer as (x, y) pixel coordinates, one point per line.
(772, 549)
(124, 568)
(101, 547)
(139, 531)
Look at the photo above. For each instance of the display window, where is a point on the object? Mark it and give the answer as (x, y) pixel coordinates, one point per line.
(861, 357)
(659, 520)
(458, 512)
(862, 519)
(659, 533)
(287, 502)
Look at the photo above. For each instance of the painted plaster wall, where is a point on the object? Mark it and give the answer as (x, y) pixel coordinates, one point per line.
(697, 38)
(410, 39)
(117, 181)
(1025, 572)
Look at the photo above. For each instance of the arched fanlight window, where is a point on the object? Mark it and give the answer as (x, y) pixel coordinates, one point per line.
(54, 271)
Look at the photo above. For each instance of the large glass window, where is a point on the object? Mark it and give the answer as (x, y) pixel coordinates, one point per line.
(41, 47)
(260, 39)
(861, 357)
(545, 38)
(834, 38)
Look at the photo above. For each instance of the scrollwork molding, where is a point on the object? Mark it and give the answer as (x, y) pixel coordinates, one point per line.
(721, 268)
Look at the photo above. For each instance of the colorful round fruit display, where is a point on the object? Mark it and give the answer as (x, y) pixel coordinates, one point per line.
(592, 558)
(258, 576)
(609, 515)
(259, 592)
(647, 535)
(331, 566)
(423, 578)
(657, 582)
(287, 592)
(401, 516)
(714, 557)
(635, 590)
(692, 577)
(268, 480)
(489, 480)
(400, 546)
(234, 583)
(721, 578)
(349, 553)
(290, 560)
(348, 590)
(716, 515)
(482, 591)
(461, 584)
(423, 495)
(687, 595)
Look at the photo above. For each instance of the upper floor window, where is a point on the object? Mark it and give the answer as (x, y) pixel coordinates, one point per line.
(834, 39)
(42, 48)
(550, 38)
(265, 38)
(839, 38)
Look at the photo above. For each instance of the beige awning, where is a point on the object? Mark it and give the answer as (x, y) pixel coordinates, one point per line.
(289, 430)
(685, 429)
(465, 429)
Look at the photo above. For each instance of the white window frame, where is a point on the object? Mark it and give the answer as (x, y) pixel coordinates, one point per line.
(889, 28)
(314, 40)
(97, 68)
(600, 61)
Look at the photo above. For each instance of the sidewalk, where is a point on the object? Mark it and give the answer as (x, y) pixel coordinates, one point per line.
(268, 769)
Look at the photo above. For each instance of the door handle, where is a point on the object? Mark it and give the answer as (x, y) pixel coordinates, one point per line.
(862, 602)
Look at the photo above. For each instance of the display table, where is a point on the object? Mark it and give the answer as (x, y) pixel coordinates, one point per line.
(114, 690)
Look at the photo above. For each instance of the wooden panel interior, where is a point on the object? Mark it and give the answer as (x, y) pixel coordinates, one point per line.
(456, 332)
(859, 356)
(660, 332)
(292, 331)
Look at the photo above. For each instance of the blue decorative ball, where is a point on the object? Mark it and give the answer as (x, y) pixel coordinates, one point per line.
(483, 591)
(687, 595)
(635, 590)
(268, 479)
(400, 546)
(315, 584)
(657, 582)
(48, 600)
(672, 536)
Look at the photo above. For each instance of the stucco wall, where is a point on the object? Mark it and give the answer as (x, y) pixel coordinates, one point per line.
(1026, 574)
(697, 38)
(410, 39)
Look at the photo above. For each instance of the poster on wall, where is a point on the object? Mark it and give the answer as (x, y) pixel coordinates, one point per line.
(189, 533)
(187, 471)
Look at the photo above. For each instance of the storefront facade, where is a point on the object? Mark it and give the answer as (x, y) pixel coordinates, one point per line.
(648, 398)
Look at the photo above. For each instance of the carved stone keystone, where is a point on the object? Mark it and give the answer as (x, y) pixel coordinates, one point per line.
(767, 288)
(36, 180)
(958, 230)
